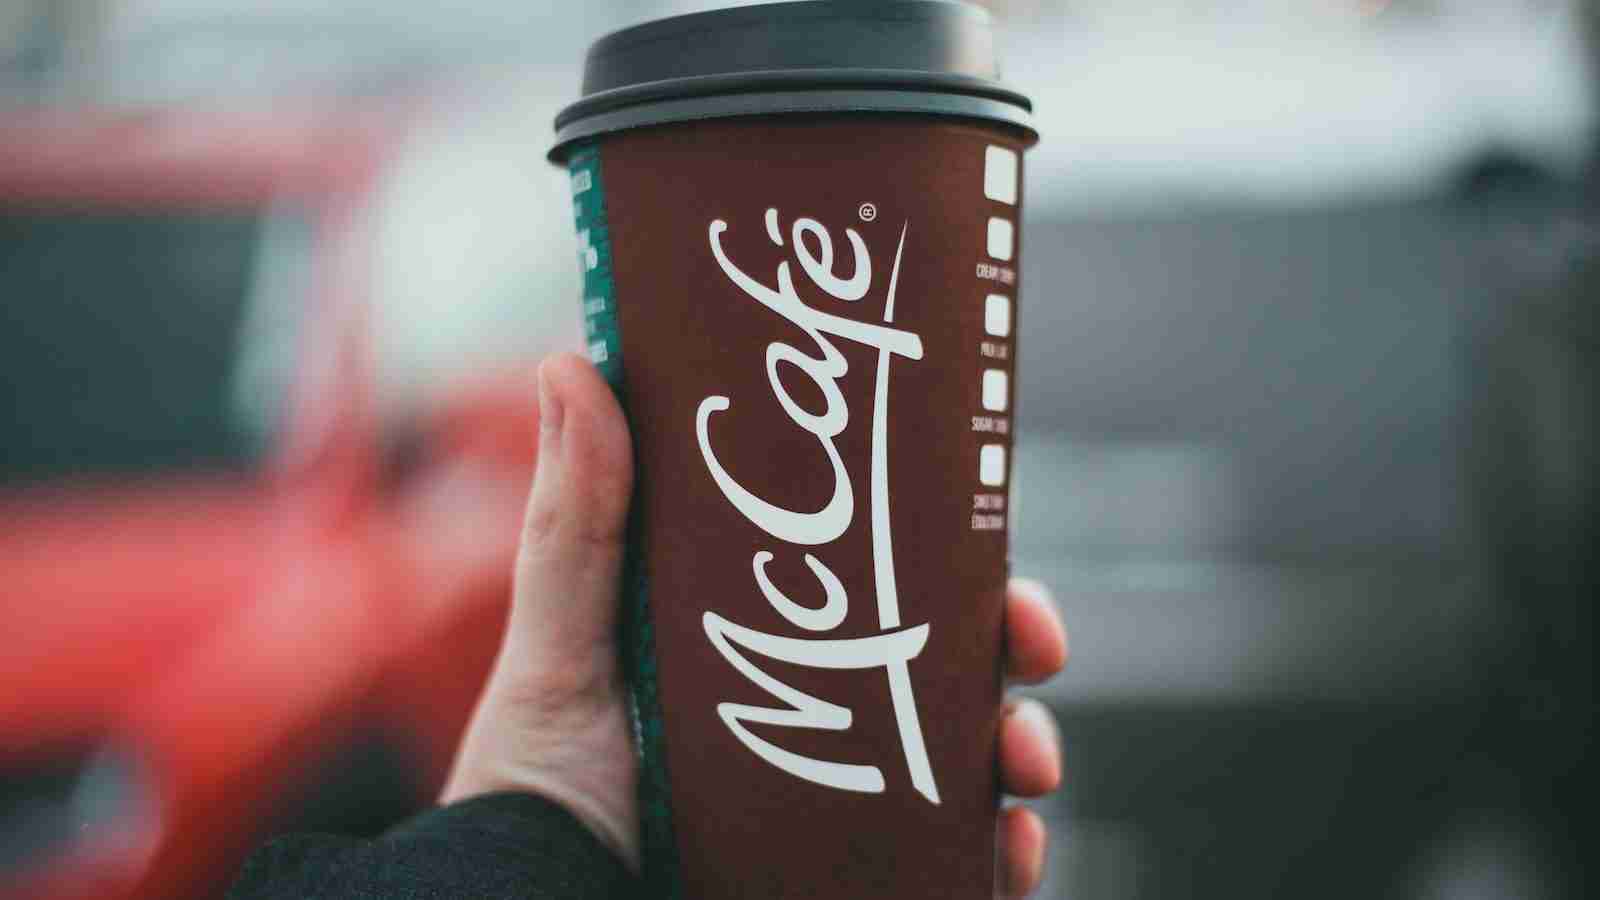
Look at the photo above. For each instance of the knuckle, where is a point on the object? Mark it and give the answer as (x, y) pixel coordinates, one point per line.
(541, 525)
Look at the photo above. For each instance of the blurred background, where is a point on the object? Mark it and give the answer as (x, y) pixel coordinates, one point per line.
(1309, 396)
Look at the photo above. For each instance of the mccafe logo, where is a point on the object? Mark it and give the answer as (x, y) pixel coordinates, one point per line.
(815, 356)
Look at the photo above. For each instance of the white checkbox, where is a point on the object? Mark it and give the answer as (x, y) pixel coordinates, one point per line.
(994, 390)
(1000, 237)
(992, 465)
(997, 315)
(1000, 174)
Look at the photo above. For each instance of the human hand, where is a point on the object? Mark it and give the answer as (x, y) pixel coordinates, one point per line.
(554, 720)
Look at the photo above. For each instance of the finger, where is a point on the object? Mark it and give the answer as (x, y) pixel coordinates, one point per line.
(571, 553)
(1030, 750)
(1022, 843)
(1036, 641)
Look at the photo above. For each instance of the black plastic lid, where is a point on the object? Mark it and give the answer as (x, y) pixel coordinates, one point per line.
(916, 56)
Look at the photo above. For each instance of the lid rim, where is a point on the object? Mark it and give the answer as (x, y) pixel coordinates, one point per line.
(768, 80)
(786, 103)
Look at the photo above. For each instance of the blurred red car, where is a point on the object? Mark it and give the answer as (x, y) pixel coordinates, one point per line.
(221, 576)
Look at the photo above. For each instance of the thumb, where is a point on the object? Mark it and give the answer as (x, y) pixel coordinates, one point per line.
(569, 563)
(552, 720)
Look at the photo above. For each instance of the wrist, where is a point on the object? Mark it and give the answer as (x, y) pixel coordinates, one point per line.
(578, 756)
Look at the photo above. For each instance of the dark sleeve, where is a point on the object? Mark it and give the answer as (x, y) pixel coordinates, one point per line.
(512, 846)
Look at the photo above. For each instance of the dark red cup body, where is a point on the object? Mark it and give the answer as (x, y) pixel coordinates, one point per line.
(812, 321)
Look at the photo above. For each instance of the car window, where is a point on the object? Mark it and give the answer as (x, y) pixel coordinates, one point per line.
(120, 342)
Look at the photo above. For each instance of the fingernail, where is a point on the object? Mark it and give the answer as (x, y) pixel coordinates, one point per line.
(1039, 720)
(551, 412)
(1035, 589)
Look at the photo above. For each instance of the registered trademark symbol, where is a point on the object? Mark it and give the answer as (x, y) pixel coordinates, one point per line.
(868, 212)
